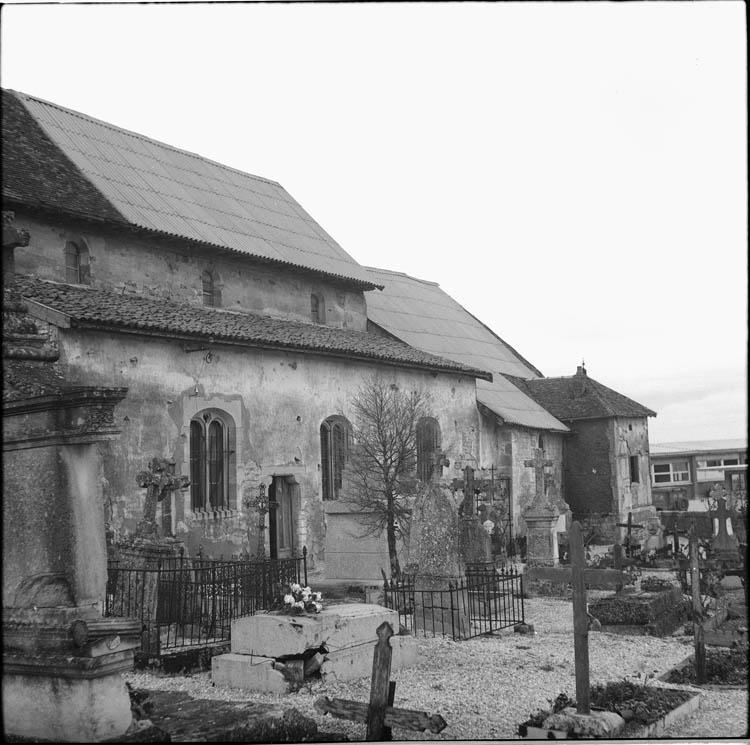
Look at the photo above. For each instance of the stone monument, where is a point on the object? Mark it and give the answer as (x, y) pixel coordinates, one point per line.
(436, 534)
(542, 516)
(724, 546)
(475, 543)
(62, 660)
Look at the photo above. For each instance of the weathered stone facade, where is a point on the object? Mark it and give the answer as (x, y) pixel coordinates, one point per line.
(126, 262)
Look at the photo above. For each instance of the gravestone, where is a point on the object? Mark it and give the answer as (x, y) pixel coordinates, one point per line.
(542, 516)
(62, 660)
(436, 536)
(723, 545)
(149, 552)
(475, 543)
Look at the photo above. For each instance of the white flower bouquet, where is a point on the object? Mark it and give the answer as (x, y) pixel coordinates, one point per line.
(302, 600)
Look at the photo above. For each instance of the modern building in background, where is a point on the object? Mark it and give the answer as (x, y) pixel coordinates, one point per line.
(682, 472)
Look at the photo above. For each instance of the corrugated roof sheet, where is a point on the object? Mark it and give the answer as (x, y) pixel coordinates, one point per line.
(424, 316)
(91, 307)
(697, 446)
(157, 187)
(580, 397)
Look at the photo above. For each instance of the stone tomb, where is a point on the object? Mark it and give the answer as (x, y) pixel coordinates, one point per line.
(276, 652)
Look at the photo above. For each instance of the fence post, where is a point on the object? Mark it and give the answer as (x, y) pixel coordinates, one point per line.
(304, 562)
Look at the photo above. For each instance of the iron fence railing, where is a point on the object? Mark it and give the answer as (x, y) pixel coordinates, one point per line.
(483, 601)
(192, 602)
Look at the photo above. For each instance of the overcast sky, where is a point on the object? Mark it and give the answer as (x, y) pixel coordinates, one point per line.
(574, 174)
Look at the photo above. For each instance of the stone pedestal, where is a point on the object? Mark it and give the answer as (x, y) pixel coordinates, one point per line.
(62, 661)
(541, 538)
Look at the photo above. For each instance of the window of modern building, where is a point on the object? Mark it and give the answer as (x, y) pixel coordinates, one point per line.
(738, 481)
(635, 469)
(213, 478)
(673, 472)
(211, 291)
(428, 447)
(76, 263)
(335, 441)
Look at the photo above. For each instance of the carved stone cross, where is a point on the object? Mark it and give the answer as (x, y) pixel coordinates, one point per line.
(159, 481)
(538, 463)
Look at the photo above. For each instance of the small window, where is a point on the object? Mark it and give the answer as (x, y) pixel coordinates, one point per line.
(335, 441)
(211, 293)
(635, 470)
(213, 478)
(428, 447)
(76, 263)
(670, 473)
(317, 308)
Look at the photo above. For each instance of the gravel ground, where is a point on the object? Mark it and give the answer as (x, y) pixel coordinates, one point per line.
(485, 687)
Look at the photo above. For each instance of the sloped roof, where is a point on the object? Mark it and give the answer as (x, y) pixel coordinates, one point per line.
(580, 397)
(424, 316)
(87, 307)
(697, 446)
(126, 177)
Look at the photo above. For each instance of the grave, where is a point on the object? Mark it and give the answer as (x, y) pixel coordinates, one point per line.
(657, 613)
(275, 652)
(436, 535)
(380, 715)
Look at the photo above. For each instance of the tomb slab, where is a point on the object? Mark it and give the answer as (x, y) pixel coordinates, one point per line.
(335, 627)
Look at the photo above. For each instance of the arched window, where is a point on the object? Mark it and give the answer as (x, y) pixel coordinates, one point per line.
(77, 263)
(428, 448)
(213, 471)
(211, 292)
(317, 308)
(335, 439)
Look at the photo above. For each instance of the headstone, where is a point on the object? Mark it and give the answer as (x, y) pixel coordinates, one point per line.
(723, 545)
(436, 536)
(542, 516)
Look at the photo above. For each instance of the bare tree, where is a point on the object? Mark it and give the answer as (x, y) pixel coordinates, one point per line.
(380, 472)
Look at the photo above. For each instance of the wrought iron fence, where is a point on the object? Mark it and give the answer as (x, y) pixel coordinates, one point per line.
(483, 601)
(192, 602)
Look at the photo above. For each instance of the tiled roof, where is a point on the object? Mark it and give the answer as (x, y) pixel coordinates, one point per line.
(697, 446)
(95, 308)
(148, 184)
(36, 172)
(424, 316)
(580, 397)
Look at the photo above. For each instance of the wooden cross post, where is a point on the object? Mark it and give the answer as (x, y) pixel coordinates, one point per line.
(380, 715)
(698, 632)
(579, 576)
(629, 525)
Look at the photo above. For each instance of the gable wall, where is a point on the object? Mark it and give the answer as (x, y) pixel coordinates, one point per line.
(127, 262)
(278, 401)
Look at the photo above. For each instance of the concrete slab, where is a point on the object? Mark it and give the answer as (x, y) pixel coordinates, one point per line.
(335, 627)
(356, 662)
(249, 672)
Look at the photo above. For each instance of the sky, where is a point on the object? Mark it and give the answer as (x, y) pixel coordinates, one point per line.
(574, 174)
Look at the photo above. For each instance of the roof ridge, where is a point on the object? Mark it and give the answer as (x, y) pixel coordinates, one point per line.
(24, 96)
(393, 272)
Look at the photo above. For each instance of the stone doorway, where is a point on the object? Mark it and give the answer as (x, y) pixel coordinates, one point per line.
(283, 505)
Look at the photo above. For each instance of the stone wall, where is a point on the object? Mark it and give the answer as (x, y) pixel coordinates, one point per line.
(125, 262)
(277, 400)
(588, 467)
